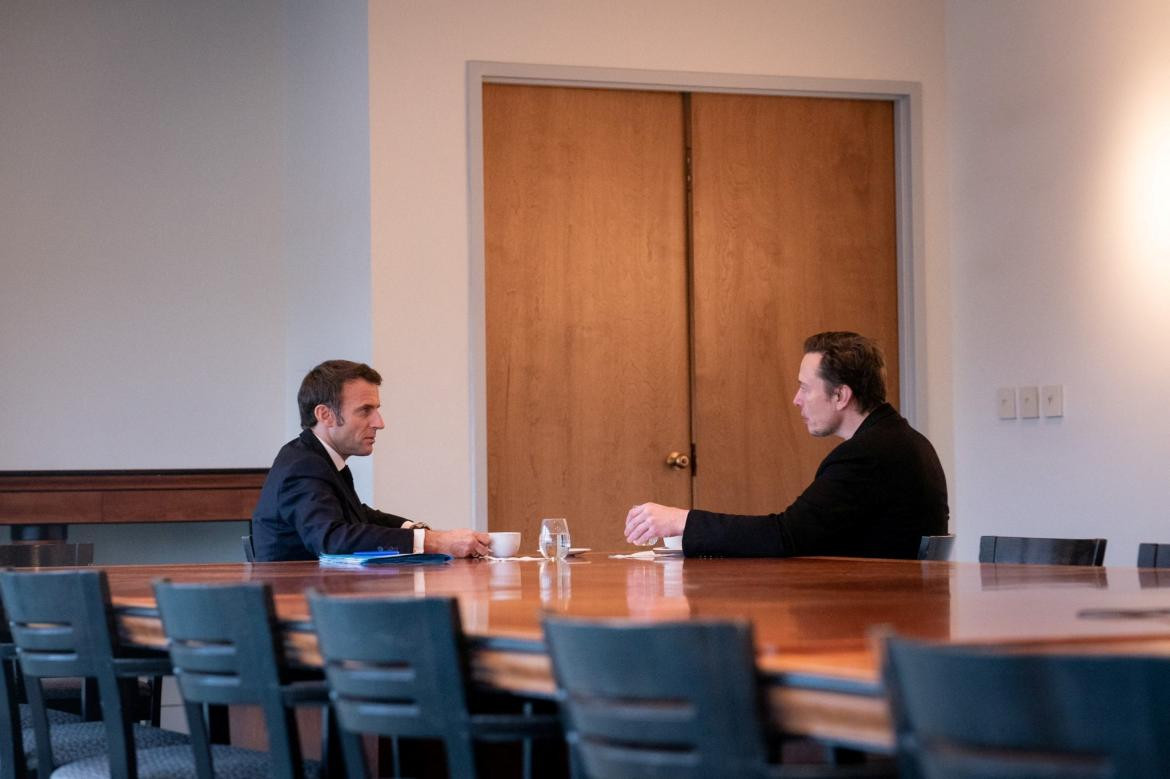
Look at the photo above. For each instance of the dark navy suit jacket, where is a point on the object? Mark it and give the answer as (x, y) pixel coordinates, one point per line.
(875, 495)
(306, 507)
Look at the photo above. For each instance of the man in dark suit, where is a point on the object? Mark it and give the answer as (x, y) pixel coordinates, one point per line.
(875, 495)
(308, 504)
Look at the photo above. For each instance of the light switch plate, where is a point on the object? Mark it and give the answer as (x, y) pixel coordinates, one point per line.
(1029, 402)
(1005, 401)
(1052, 400)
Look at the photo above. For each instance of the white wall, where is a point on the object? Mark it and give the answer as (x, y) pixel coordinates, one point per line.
(184, 205)
(141, 304)
(419, 185)
(1060, 161)
(327, 186)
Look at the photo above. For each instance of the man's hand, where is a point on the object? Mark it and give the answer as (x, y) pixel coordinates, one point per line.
(649, 521)
(457, 543)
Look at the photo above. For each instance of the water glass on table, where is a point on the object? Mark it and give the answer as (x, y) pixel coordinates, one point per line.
(554, 538)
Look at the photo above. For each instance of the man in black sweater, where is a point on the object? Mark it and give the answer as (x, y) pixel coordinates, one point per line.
(875, 495)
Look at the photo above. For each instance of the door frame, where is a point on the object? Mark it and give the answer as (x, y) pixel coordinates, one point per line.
(906, 97)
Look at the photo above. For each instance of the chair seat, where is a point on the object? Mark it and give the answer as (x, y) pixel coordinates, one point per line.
(54, 716)
(79, 740)
(178, 762)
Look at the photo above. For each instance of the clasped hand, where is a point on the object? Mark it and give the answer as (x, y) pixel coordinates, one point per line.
(647, 522)
(457, 543)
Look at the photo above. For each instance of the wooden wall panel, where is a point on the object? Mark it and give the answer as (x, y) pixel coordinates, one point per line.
(794, 233)
(588, 374)
(87, 497)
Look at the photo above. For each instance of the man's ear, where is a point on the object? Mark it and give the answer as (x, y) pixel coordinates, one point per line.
(324, 415)
(844, 397)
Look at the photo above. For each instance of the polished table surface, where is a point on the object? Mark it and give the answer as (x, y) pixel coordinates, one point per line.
(814, 618)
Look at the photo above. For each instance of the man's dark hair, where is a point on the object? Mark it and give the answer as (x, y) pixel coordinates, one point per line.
(323, 385)
(852, 360)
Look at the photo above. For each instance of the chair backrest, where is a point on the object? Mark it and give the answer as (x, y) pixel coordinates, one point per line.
(662, 699)
(249, 550)
(396, 667)
(1153, 556)
(224, 647)
(936, 547)
(61, 622)
(62, 625)
(20, 555)
(968, 712)
(44, 554)
(12, 762)
(1047, 551)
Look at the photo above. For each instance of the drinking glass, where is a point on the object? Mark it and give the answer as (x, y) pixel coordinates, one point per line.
(554, 538)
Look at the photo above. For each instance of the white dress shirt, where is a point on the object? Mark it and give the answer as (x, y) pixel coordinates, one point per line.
(339, 463)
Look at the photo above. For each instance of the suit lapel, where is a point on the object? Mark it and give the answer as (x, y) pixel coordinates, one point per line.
(344, 487)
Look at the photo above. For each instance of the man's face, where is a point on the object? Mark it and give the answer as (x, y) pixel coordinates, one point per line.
(818, 408)
(354, 432)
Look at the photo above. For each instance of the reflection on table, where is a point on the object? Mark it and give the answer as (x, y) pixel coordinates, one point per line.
(814, 618)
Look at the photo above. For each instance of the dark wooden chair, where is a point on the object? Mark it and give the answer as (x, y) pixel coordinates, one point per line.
(1153, 556)
(666, 699)
(68, 694)
(961, 713)
(62, 627)
(66, 699)
(398, 668)
(1043, 551)
(15, 717)
(225, 647)
(249, 550)
(936, 547)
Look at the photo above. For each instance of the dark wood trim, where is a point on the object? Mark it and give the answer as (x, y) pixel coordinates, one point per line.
(87, 497)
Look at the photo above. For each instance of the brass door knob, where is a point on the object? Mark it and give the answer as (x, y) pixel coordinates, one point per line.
(678, 460)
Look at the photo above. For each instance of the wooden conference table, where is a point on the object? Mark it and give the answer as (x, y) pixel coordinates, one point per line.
(813, 617)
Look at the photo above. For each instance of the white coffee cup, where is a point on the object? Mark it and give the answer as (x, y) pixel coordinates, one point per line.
(504, 544)
(672, 542)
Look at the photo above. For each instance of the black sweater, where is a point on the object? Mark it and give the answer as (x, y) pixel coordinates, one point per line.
(875, 495)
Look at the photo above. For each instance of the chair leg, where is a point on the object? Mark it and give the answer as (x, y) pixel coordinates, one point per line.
(91, 704)
(36, 700)
(460, 756)
(332, 760)
(12, 763)
(354, 754)
(284, 746)
(576, 762)
(119, 733)
(200, 743)
(156, 690)
(526, 747)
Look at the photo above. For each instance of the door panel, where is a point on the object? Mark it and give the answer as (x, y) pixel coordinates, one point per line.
(794, 233)
(586, 302)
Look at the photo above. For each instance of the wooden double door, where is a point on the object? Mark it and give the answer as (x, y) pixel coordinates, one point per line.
(654, 261)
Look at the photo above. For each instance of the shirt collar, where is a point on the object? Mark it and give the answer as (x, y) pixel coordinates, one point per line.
(338, 460)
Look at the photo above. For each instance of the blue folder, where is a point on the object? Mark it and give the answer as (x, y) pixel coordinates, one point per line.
(390, 557)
